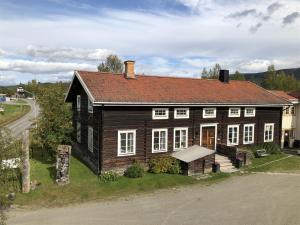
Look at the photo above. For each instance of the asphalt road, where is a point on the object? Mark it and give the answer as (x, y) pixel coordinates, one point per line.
(19, 126)
(260, 199)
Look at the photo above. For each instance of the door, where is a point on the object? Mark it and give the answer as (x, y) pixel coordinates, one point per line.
(286, 138)
(208, 137)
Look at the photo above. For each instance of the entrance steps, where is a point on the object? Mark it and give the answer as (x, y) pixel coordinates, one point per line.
(225, 164)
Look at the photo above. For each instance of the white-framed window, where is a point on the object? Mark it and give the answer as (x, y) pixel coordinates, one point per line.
(248, 134)
(269, 132)
(78, 102)
(233, 135)
(90, 106)
(126, 142)
(249, 112)
(159, 140)
(181, 113)
(234, 112)
(209, 112)
(160, 113)
(90, 139)
(180, 138)
(78, 131)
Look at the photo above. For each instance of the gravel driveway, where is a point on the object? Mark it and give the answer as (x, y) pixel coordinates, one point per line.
(264, 199)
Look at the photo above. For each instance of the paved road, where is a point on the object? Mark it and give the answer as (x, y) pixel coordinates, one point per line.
(20, 125)
(260, 199)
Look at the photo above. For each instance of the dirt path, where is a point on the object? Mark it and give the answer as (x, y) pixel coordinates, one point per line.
(259, 199)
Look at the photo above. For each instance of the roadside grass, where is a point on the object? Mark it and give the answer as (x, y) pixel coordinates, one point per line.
(86, 186)
(284, 164)
(12, 113)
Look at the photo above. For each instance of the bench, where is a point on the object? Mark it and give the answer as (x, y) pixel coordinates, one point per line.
(261, 153)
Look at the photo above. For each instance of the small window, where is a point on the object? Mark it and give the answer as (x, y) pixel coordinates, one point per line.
(249, 112)
(90, 106)
(78, 102)
(287, 110)
(126, 142)
(269, 132)
(209, 112)
(248, 134)
(160, 113)
(292, 110)
(90, 138)
(234, 112)
(181, 113)
(159, 140)
(233, 135)
(180, 138)
(78, 132)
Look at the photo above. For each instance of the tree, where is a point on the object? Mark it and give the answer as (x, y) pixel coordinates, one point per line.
(54, 122)
(10, 148)
(213, 73)
(278, 80)
(238, 76)
(112, 64)
(204, 72)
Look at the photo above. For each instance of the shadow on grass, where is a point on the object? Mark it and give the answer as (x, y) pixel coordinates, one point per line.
(52, 173)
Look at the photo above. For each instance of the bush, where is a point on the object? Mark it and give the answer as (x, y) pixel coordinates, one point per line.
(134, 171)
(109, 176)
(270, 148)
(164, 164)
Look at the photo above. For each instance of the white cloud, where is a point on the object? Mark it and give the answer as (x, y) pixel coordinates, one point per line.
(65, 54)
(162, 43)
(42, 67)
(2, 52)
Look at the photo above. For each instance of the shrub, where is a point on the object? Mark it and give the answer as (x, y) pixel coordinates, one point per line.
(134, 171)
(109, 176)
(164, 164)
(270, 148)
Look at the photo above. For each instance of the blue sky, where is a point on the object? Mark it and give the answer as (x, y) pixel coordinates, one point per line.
(50, 39)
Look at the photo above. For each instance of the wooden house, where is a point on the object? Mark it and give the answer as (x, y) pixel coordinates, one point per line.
(119, 118)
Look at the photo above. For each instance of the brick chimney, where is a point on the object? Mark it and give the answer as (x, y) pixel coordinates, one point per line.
(129, 69)
(224, 76)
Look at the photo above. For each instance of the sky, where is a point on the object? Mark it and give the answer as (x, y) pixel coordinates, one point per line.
(48, 39)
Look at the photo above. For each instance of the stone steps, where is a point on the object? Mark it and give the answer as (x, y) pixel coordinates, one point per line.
(225, 164)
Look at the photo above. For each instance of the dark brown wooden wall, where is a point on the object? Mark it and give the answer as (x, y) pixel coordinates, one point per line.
(140, 118)
(86, 119)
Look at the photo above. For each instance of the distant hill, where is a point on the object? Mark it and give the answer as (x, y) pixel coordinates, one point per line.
(258, 77)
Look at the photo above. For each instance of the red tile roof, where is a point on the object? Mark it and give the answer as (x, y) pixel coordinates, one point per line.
(284, 95)
(115, 88)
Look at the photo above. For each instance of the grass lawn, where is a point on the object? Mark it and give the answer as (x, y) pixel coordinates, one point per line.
(86, 186)
(291, 164)
(12, 113)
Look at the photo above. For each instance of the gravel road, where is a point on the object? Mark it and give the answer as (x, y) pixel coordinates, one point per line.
(17, 127)
(260, 199)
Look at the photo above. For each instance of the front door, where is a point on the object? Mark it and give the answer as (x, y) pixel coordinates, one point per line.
(208, 137)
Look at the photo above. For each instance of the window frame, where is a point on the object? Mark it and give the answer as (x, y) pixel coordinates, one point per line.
(209, 116)
(78, 132)
(187, 116)
(155, 117)
(186, 138)
(230, 114)
(250, 115)
(78, 102)
(119, 142)
(90, 138)
(238, 132)
(90, 106)
(244, 133)
(166, 140)
(272, 125)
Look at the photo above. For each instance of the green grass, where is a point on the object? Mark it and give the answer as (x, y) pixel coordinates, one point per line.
(291, 164)
(86, 186)
(12, 113)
